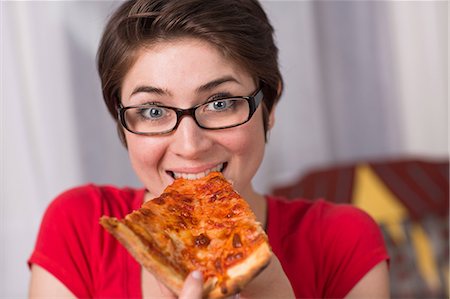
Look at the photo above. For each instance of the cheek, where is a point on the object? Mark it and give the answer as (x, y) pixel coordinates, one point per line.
(144, 153)
(250, 139)
(247, 144)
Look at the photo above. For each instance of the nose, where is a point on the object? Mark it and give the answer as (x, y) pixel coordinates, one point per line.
(189, 140)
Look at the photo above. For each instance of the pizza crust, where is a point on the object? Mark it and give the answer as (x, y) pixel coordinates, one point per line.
(243, 272)
(139, 251)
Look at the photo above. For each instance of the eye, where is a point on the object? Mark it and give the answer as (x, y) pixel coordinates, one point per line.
(152, 113)
(220, 105)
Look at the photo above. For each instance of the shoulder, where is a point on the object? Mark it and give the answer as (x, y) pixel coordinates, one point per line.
(322, 224)
(292, 222)
(93, 200)
(338, 216)
(318, 213)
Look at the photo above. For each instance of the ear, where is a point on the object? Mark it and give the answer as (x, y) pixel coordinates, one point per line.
(272, 117)
(122, 135)
(279, 88)
(272, 113)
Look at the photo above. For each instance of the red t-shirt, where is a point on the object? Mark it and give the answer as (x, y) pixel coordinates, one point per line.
(324, 248)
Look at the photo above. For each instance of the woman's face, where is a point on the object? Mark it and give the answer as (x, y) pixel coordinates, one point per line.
(183, 73)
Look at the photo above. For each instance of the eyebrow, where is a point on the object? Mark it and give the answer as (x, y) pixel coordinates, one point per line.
(150, 89)
(205, 87)
(212, 84)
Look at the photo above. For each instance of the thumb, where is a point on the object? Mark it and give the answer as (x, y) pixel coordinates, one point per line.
(193, 286)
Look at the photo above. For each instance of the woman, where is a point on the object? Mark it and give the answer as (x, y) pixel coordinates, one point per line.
(217, 62)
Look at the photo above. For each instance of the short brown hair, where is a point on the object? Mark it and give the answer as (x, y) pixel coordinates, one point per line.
(240, 29)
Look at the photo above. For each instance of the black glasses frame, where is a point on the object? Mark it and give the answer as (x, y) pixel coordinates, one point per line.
(253, 101)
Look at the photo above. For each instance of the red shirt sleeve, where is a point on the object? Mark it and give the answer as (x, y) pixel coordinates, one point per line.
(324, 248)
(351, 244)
(74, 247)
(64, 246)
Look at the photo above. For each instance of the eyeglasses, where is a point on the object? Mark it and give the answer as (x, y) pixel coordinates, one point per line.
(216, 114)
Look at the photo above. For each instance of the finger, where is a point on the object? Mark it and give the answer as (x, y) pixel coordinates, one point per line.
(193, 286)
(235, 296)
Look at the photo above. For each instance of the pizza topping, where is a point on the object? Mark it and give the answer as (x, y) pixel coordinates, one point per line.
(147, 213)
(233, 258)
(159, 200)
(223, 287)
(237, 241)
(202, 240)
(218, 265)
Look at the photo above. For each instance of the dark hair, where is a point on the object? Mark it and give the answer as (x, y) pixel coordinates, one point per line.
(240, 29)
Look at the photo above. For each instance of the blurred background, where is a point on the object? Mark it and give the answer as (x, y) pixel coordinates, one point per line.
(366, 82)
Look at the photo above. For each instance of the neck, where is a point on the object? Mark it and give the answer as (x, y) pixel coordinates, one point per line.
(258, 205)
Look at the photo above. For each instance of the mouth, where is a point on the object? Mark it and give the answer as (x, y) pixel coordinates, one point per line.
(193, 176)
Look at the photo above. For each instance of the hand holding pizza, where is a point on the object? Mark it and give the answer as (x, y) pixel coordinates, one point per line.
(271, 283)
(193, 286)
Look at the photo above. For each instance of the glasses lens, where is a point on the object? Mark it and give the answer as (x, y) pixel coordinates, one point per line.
(150, 119)
(223, 113)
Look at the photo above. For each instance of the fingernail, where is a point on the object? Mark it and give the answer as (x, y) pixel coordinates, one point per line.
(197, 275)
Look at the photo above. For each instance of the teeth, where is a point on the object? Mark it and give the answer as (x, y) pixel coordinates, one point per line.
(194, 176)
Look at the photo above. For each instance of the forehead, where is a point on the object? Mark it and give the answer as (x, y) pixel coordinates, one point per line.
(180, 63)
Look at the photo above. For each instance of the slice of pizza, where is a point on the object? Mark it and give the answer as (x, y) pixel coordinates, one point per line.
(201, 225)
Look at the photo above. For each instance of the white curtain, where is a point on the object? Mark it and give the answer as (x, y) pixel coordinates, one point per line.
(364, 80)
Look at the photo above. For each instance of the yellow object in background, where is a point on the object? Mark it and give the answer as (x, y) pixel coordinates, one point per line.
(373, 196)
(425, 259)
